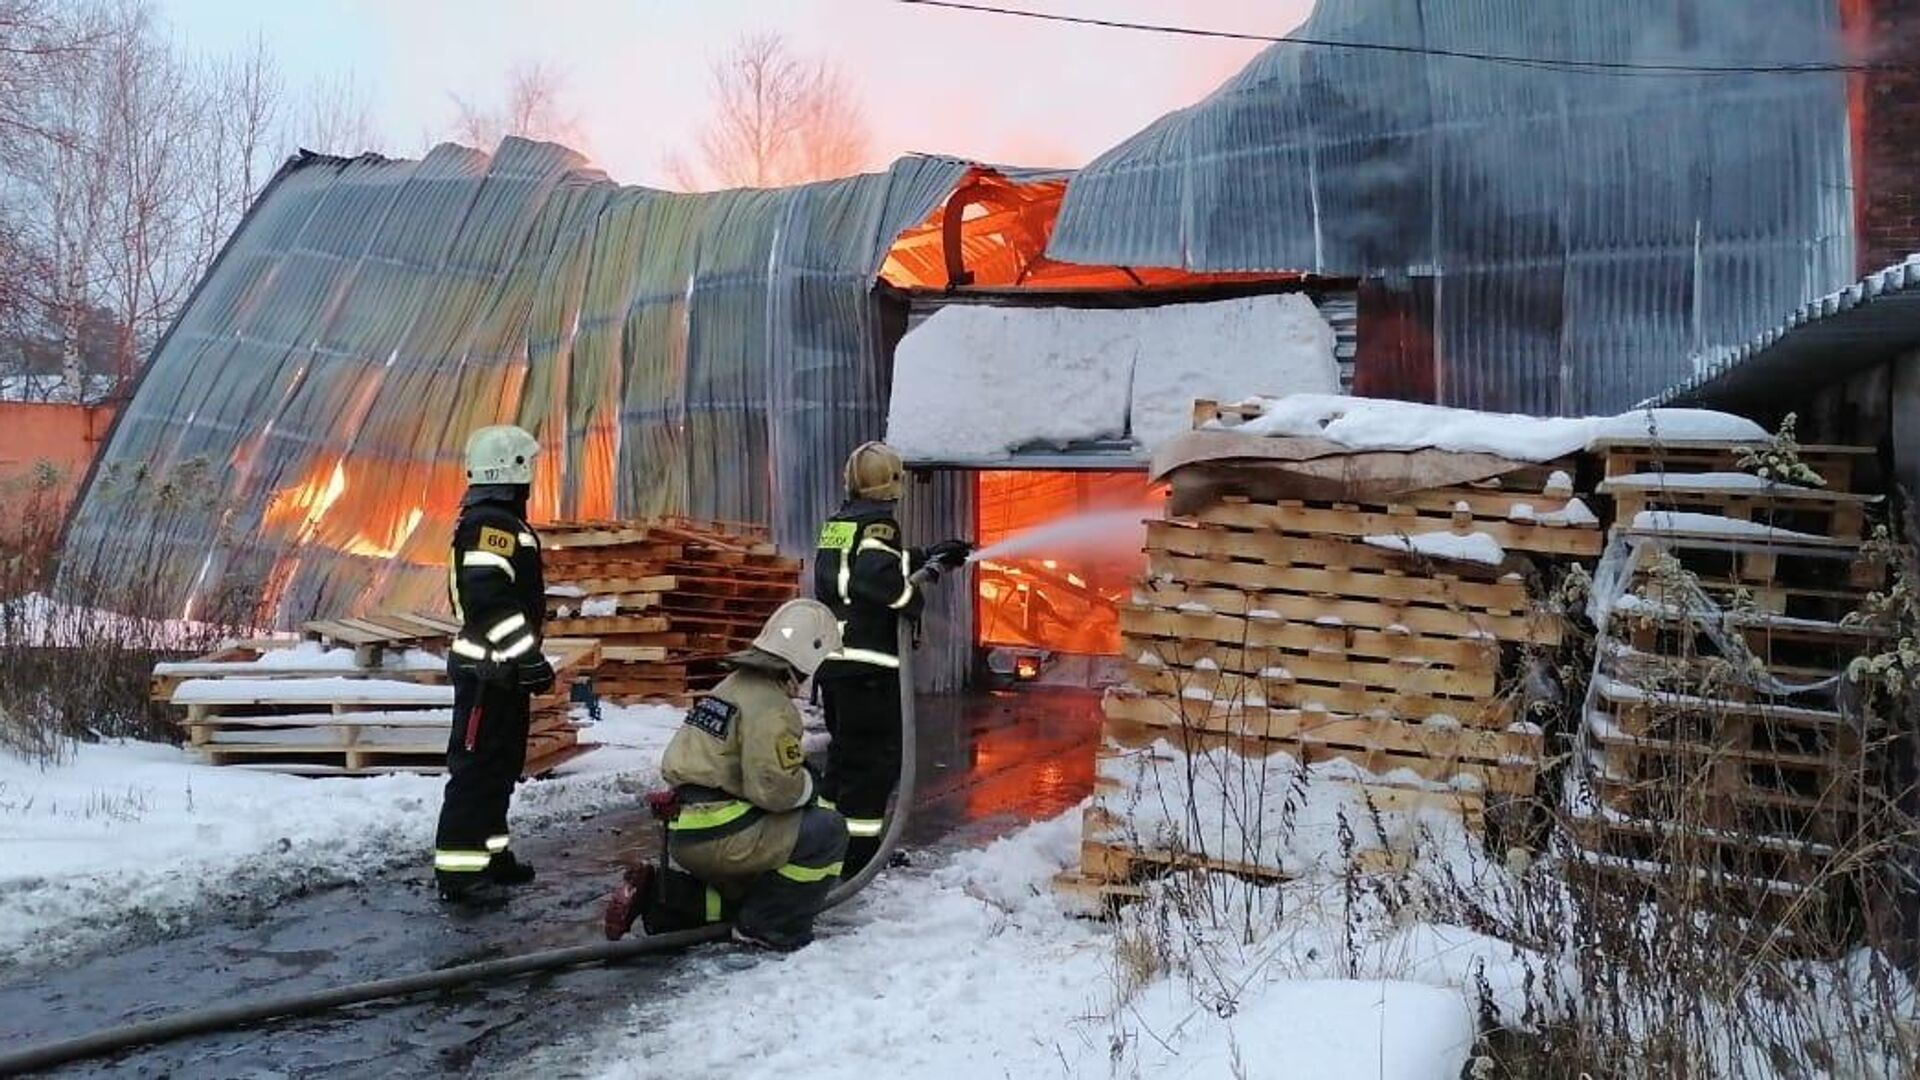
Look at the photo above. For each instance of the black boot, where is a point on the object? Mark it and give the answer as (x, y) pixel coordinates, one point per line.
(470, 890)
(772, 940)
(504, 869)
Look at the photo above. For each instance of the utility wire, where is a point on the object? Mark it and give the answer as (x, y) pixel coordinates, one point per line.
(1596, 67)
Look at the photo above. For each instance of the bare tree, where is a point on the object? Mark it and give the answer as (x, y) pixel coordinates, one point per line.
(337, 119)
(776, 118)
(240, 136)
(534, 109)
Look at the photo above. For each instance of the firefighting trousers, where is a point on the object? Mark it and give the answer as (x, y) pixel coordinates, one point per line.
(773, 891)
(863, 761)
(485, 752)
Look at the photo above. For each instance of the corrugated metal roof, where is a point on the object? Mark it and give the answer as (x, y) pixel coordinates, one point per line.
(1822, 342)
(1587, 231)
(711, 355)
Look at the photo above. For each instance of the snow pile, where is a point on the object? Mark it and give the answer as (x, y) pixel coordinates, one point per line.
(329, 690)
(1373, 424)
(976, 382)
(973, 969)
(1475, 547)
(1708, 481)
(1715, 525)
(600, 607)
(131, 835)
(304, 657)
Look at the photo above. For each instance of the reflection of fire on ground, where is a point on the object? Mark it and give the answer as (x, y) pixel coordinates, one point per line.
(1063, 601)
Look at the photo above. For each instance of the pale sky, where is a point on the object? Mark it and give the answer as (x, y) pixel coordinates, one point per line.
(991, 87)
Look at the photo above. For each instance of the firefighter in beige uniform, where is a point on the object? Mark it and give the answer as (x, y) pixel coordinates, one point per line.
(749, 825)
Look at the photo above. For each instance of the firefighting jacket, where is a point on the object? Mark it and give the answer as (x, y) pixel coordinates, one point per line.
(737, 766)
(861, 570)
(495, 582)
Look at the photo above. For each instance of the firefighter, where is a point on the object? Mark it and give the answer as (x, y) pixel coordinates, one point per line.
(864, 572)
(748, 826)
(496, 666)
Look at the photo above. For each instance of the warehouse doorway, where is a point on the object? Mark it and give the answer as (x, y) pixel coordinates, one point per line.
(1050, 611)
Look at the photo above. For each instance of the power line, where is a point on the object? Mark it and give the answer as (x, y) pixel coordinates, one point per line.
(1596, 67)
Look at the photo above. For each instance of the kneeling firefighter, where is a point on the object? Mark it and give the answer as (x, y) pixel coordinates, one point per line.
(871, 579)
(746, 835)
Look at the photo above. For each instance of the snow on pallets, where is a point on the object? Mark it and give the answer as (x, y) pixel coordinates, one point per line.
(667, 598)
(1275, 627)
(1711, 747)
(311, 710)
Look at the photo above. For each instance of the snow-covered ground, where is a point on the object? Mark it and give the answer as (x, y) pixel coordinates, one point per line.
(976, 969)
(130, 834)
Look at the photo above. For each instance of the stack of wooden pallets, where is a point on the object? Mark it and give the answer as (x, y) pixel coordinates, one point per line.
(1714, 747)
(667, 599)
(349, 702)
(1340, 631)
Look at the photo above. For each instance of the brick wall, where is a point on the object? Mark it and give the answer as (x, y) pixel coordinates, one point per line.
(1885, 112)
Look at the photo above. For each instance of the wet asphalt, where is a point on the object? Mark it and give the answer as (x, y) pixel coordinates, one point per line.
(988, 764)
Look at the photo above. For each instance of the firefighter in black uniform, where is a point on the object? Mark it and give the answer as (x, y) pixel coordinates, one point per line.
(862, 571)
(495, 663)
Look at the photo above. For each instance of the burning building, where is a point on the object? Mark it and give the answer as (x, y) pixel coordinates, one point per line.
(1539, 207)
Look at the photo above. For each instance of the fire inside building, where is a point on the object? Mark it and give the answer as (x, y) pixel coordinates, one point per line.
(1445, 228)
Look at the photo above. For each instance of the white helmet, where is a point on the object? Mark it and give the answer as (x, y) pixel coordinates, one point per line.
(502, 454)
(874, 471)
(802, 632)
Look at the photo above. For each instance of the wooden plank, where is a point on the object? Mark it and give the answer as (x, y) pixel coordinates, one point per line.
(1504, 598)
(1334, 553)
(1298, 517)
(1232, 691)
(1538, 627)
(1691, 485)
(1441, 743)
(1405, 673)
(597, 627)
(1305, 637)
(343, 631)
(615, 654)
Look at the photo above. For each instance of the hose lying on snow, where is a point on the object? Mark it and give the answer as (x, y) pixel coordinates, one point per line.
(221, 1017)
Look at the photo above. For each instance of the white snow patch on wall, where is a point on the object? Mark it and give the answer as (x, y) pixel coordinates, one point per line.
(1225, 351)
(976, 382)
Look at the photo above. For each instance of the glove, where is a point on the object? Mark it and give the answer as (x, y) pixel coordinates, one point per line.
(950, 554)
(536, 674)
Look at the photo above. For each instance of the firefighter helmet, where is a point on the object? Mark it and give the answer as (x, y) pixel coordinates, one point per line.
(874, 471)
(801, 632)
(502, 454)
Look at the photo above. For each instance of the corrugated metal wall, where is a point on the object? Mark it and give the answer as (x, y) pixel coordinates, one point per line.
(1588, 232)
(711, 355)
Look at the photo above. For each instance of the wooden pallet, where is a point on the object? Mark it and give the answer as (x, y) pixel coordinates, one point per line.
(1836, 515)
(1839, 466)
(1500, 761)
(685, 593)
(350, 722)
(371, 635)
(1388, 616)
(1401, 518)
(1141, 623)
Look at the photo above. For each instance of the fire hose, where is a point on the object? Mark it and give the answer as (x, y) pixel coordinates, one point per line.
(222, 1017)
